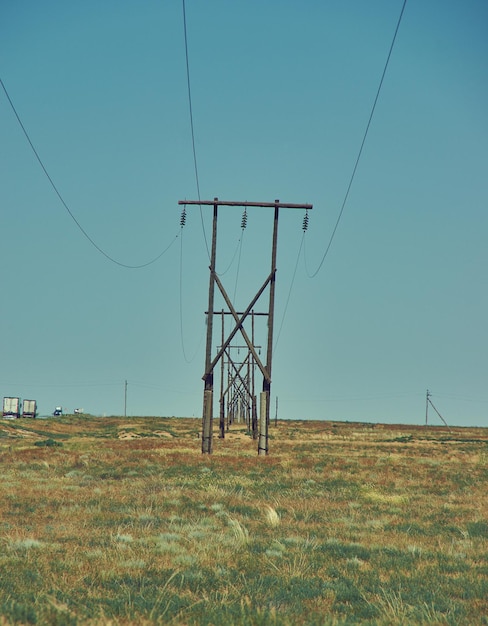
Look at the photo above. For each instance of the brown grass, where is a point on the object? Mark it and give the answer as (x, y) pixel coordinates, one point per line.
(126, 522)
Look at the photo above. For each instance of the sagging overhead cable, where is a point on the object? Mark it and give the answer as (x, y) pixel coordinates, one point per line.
(192, 126)
(65, 205)
(312, 275)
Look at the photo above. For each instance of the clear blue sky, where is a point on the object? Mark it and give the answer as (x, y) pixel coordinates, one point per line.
(281, 93)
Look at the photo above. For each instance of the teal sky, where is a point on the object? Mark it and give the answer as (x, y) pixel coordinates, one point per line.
(281, 96)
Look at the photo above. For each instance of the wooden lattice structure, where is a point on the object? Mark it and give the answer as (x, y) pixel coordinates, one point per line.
(242, 391)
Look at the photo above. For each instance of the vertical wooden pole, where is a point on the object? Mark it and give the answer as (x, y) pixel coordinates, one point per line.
(208, 376)
(254, 417)
(229, 394)
(263, 423)
(248, 394)
(207, 422)
(263, 446)
(222, 399)
(254, 411)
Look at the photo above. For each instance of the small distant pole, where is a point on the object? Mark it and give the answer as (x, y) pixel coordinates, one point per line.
(427, 396)
(125, 399)
(429, 401)
(276, 412)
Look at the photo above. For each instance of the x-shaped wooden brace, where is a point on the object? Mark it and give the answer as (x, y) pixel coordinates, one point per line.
(239, 326)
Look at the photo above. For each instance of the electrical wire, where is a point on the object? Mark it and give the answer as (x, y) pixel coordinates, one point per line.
(238, 267)
(289, 291)
(62, 385)
(238, 246)
(95, 245)
(359, 397)
(360, 149)
(181, 309)
(156, 387)
(192, 126)
(457, 397)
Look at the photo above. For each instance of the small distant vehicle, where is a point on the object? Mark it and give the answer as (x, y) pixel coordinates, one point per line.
(11, 407)
(29, 409)
(58, 411)
(78, 411)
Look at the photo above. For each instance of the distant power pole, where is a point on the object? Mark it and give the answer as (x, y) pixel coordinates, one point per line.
(125, 399)
(239, 319)
(429, 401)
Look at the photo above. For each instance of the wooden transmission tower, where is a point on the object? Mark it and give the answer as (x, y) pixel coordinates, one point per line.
(238, 402)
(241, 388)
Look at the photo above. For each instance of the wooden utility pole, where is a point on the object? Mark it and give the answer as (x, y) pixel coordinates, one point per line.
(208, 376)
(239, 319)
(429, 401)
(266, 395)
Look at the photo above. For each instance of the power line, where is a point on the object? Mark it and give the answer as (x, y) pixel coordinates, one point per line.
(231, 263)
(181, 309)
(463, 398)
(243, 228)
(62, 385)
(238, 267)
(190, 106)
(360, 149)
(289, 291)
(95, 245)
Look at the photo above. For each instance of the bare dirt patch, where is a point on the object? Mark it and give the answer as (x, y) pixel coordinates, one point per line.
(163, 433)
(126, 435)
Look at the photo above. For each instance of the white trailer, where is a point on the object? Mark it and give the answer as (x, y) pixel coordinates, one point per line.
(29, 408)
(11, 407)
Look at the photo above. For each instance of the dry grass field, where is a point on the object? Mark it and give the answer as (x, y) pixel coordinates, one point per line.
(123, 521)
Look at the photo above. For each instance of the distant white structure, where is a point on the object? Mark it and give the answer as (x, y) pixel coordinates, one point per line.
(11, 407)
(29, 409)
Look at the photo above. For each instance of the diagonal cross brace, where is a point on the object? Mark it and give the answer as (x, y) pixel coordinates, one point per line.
(239, 321)
(238, 376)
